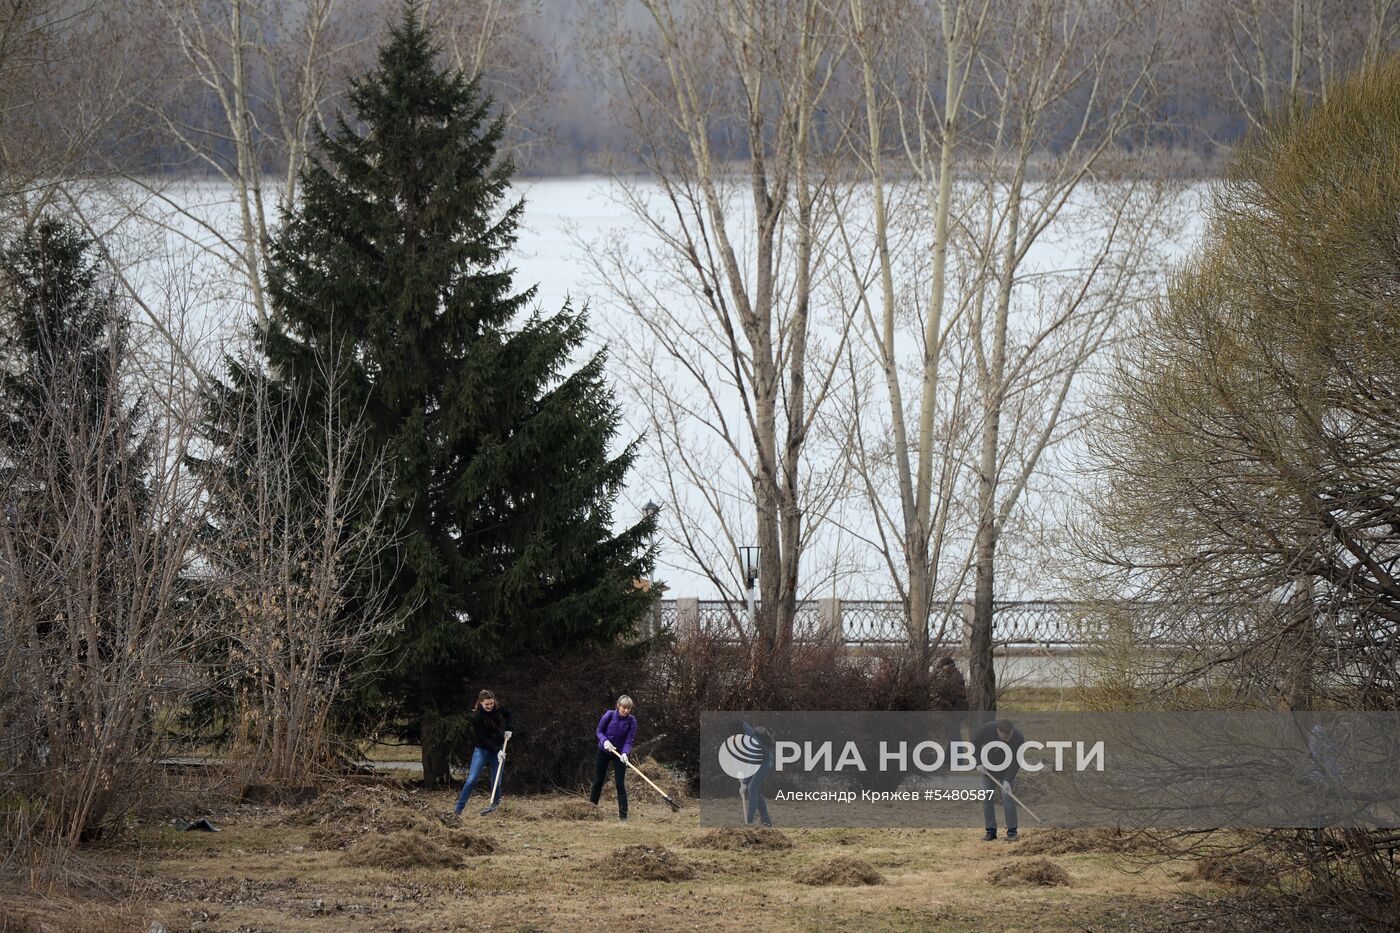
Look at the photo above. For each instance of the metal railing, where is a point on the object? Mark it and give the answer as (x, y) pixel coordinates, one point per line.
(884, 622)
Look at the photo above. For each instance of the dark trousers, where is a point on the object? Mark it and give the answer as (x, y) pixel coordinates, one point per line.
(989, 806)
(601, 774)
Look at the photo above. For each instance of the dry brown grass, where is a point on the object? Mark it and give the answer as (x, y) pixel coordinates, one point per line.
(845, 870)
(264, 873)
(573, 810)
(1035, 871)
(66, 915)
(464, 840)
(1058, 841)
(742, 839)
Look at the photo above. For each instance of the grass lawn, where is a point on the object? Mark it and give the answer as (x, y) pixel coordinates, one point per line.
(296, 870)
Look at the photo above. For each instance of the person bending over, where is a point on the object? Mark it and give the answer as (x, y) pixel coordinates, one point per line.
(999, 779)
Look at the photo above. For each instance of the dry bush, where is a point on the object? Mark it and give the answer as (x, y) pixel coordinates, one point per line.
(1058, 841)
(1038, 871)
(298, 557)
(742, 839)
(843, 870)
(100, 614)
(400, 851)
(687, 675)
(645, 863)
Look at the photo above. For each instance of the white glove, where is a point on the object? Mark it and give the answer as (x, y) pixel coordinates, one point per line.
(501, 755)
(508, 735)
(623, 756)
(1006, 786)
(607, 743)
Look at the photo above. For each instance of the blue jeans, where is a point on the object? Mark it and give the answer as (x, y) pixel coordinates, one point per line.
(989, 807)
(753, 793)
(481, 758)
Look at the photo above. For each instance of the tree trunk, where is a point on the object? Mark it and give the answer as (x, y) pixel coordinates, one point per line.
(433, 747)
(982, 679)
(436, 772)
(920, 598)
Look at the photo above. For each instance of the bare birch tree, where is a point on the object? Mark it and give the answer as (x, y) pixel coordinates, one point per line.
(1064, 90)
(913, 63)
(1005, 234)
(723, 99)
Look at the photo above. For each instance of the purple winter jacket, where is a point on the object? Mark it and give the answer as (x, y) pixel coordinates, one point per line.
(620, 731)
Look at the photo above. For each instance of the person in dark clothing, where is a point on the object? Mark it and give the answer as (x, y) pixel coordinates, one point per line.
(616, 732)
(1001, 778)
(490, 729)
(751, 788)
(950, 696)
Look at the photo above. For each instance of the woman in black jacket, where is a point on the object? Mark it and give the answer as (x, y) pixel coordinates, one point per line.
(490, 729)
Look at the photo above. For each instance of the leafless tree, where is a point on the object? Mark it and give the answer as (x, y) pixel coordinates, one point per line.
(505, 45)
(298, 550)
(723, 100)
(99, 609)
(914, 63)
(1005, 236)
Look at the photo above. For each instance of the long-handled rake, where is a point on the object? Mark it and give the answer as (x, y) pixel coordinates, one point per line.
(664, 796)
(1005, 790)
(500, 766)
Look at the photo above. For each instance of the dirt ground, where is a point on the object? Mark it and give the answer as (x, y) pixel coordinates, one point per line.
(551, 863)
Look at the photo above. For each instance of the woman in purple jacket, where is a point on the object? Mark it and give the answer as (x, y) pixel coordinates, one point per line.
(617, 730)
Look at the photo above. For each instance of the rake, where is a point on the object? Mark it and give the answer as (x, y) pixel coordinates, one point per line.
(664, 796)
(497, 782)
(1005, 790)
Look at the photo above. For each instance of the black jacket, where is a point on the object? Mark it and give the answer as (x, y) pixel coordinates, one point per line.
(489, 729)
(988, 734)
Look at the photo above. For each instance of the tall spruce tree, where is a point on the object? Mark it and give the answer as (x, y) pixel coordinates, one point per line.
(396, 259)
(62, 326)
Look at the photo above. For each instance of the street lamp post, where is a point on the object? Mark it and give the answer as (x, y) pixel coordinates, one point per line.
(749, 564)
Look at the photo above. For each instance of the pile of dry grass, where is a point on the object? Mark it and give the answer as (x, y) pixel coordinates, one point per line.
(573, 810)
(401, 850)
(842, 870)
(343, 816)
(1035, 871)
(645, 863)
(369, 804)
(464, 840)
(742, 839)
(1244, 870)
(351, 826)
(1075, 841)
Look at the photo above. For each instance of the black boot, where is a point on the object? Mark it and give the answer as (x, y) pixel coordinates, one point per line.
(991, 834)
